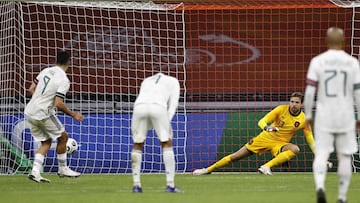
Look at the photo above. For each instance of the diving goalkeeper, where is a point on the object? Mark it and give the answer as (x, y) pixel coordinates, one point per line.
(279, 126)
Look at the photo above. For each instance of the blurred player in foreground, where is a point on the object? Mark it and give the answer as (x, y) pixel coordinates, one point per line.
(155, 107)
(48, 93)
(336, 77)
(279, 126)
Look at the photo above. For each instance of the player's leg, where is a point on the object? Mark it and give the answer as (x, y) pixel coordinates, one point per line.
(324, 145)
(240, 154)
(250, 148)
(36, 129)
(169, 162)
(287, 152)
(136, 158)
(139, 128)
(162, 125)
(38, 162)
(344, 173)
(64, 170)
(345, 146)
(55, 129)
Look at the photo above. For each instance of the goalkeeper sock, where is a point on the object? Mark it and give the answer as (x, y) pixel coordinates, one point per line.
(61, 160)
(169, 161)
(38, 162)
(221, 163)
(136, 156)
(344, 173)
(320, 169)
(280, 158)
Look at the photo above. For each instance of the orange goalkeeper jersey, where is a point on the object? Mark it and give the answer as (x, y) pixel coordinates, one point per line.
(287, 124)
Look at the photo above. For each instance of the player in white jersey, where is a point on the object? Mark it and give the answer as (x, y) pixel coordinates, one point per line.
(336, 77)
(154, 108)
(48, 93)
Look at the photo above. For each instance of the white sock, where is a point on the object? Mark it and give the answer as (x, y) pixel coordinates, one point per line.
(38, 162)
(344, 173)
(169, 161)
(61, 160)
(320, 170)
(136, 156)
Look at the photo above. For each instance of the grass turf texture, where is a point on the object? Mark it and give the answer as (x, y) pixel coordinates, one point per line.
(243, 187)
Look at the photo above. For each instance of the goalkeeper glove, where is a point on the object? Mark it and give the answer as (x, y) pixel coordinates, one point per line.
(271, 129)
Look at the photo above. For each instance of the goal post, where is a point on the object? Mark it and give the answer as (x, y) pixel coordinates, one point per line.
(113, 47)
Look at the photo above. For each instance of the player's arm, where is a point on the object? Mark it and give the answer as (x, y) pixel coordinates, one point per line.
(33, 85)
(59, 104)
(174, 100)
(357, 94)
(59, 101)
(32, 88)
(268, 119)
(310, 141)
(309, 137)
(311, 85)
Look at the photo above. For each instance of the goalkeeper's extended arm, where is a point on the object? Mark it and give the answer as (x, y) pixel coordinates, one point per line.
(309, 138)
(269, 118)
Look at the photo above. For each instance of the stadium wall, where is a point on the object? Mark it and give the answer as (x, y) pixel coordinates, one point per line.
(106, 148)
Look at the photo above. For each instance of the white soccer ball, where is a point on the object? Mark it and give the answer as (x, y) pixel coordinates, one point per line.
(71, 146)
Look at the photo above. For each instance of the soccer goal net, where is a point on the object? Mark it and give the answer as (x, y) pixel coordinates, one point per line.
(113, 47)
(242, 59)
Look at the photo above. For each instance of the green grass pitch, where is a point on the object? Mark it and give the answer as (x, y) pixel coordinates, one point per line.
(217, 187)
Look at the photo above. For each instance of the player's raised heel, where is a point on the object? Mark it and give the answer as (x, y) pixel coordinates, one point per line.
(67, 172)
(321, 196)
(137, 189)
(265, 170)
(201, 171)
(38, 178)
(173, 189)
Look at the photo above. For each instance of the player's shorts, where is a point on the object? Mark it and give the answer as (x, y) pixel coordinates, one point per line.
(45, 129)
(260, 145)
(148, 116)
(345, 143)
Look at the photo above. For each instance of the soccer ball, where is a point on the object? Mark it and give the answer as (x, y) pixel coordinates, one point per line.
(71, 146)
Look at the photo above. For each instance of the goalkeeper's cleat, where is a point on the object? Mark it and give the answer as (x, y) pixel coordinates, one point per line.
(38, 178)
(265, 170)
(321, 196)
(202, 171)
(173, 189)
(137, 189)
(67, 172)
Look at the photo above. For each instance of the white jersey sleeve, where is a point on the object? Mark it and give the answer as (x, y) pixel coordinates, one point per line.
(357, 89)
(63, 88)
(174, 99)
(312, 82)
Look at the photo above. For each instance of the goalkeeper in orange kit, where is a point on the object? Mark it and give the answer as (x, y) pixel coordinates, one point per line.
(279, 126)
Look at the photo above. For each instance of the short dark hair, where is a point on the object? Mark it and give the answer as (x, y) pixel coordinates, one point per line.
(298, 95)
(62, 58)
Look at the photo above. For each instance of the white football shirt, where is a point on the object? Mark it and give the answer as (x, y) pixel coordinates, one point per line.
(51, 82)
(160, 89)
(336, 74)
